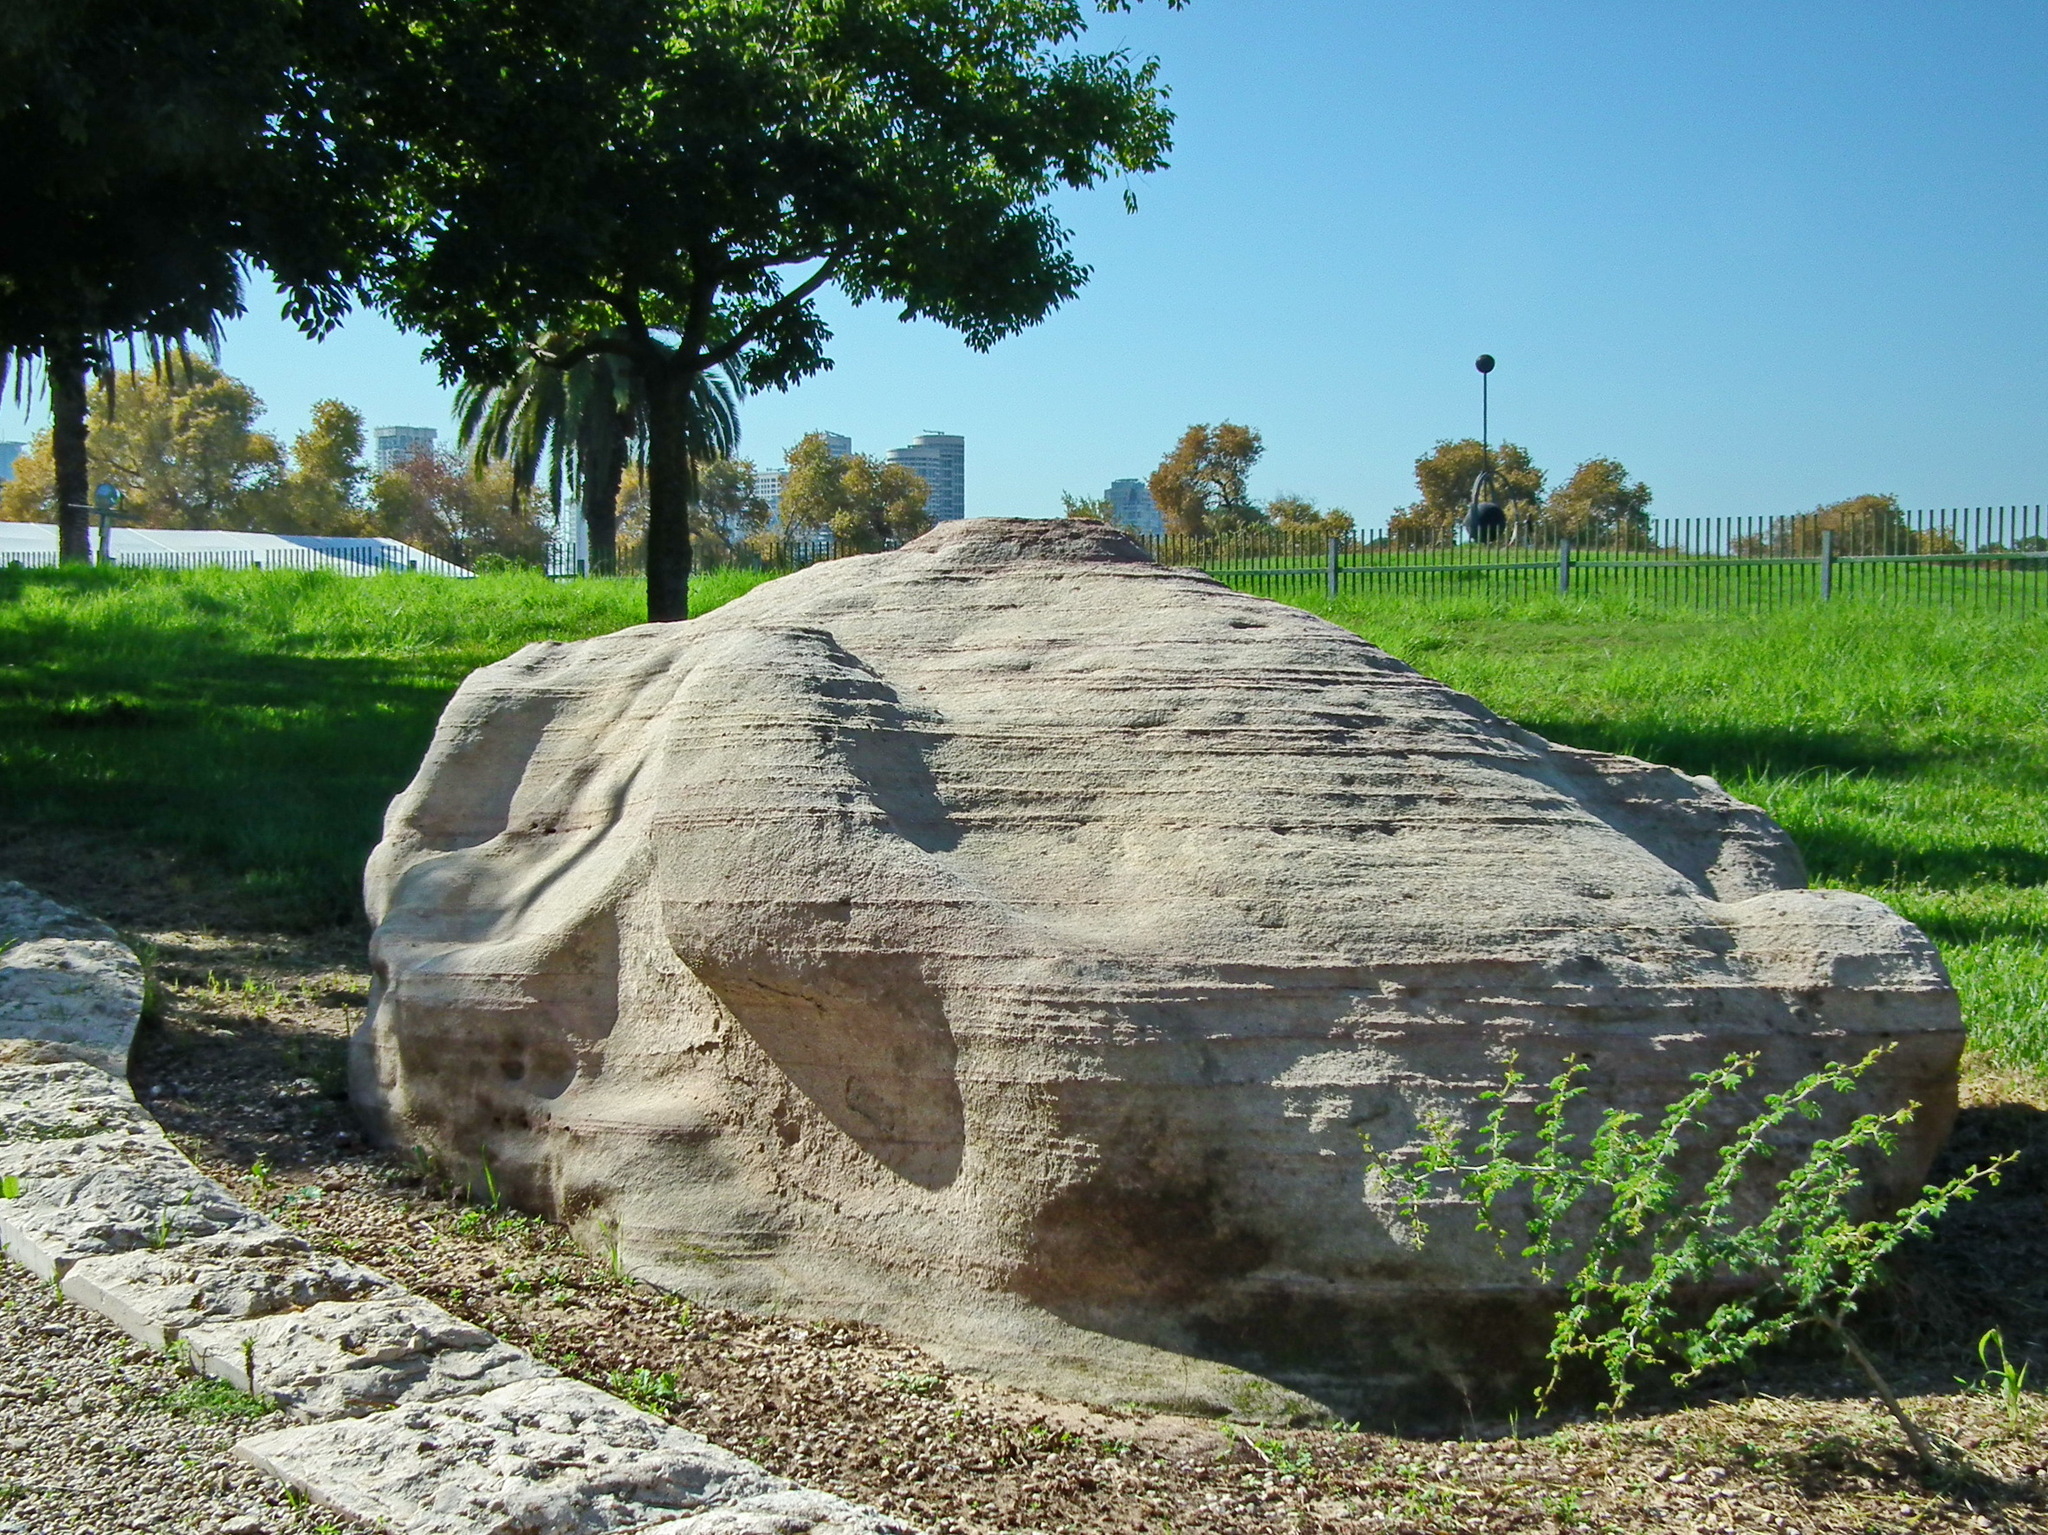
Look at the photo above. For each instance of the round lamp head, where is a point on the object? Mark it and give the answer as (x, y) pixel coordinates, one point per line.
(106, 497)
(1485, 363)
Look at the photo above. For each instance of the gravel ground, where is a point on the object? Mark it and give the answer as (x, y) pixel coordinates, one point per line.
(101, 1435)
(244, 1067)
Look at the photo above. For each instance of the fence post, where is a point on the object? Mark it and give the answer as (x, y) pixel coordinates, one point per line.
(1564, 567)
(1330, 583)
(1827, 565)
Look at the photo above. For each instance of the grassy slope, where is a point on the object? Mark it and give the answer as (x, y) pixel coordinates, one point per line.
(260, 719)
(1906, 749)
(263, 720)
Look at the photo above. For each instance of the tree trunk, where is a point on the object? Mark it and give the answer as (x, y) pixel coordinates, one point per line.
(66, 367)
(602, 477)
(671, 490)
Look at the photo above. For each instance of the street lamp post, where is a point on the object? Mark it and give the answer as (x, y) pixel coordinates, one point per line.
(1484, 521)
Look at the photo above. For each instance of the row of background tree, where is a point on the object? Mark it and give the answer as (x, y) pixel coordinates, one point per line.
(1201, 489)
(183, 445)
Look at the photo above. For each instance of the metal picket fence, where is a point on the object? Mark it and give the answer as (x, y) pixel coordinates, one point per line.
(368, 560)
(1978, 557)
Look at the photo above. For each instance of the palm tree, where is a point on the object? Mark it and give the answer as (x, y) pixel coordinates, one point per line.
(586, 421)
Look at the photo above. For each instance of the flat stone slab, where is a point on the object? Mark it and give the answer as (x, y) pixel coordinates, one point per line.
(63, 1101)
(339, 1359)
(120, 1191)
(154, 1296)
(69, 988)
(544, 1457)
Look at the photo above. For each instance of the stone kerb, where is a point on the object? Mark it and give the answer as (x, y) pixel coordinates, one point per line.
(402, 1415)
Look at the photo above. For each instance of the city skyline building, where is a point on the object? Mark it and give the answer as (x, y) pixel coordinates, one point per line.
(395, 444)
(1131, 506)
(940, 459)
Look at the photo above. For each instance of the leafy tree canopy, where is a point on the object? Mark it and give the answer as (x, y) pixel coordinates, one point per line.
(676, 181)
(1300, 517)
(1086, 508)
(1868, 524)
(1444, 477)
(1599, 504)
(181, 444)
(864, 503)
(433, 501)
(1200, 488)
(142, 170)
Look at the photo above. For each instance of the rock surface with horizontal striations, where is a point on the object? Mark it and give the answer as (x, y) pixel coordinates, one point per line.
(1013, 942)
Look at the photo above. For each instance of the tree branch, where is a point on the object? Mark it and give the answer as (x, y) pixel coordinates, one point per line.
(782, 306)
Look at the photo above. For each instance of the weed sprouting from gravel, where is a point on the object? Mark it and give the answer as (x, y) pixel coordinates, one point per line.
(655, 1391)
(215, 1400)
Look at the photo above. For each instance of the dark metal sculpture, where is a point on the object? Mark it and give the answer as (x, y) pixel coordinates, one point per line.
(1485, 522)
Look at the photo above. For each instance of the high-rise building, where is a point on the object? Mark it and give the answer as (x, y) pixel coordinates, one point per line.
(942, 461)
(9, 452)
(1131, 506)
(395, 444)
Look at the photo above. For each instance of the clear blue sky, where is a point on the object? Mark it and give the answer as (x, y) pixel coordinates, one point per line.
(1765, 254)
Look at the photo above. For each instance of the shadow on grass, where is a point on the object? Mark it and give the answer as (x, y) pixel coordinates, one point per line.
(276, 767)
(1854, 857)
(1834, 852)
(1736, 752)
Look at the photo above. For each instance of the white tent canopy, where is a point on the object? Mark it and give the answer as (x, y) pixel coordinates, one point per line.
(35, 543)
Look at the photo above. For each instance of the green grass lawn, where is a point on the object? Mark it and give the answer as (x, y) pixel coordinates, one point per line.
(262, 720)
(1905, 748)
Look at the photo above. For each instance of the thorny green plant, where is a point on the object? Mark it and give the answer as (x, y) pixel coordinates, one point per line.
(1631, 1240)
(912, 1383)
(262, 1174)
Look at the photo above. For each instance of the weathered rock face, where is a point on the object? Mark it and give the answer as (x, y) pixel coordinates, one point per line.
(1010, 941)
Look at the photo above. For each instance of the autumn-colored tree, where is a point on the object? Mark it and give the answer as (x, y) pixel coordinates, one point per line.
(179, 442)
(863, 503)
(1444, 476)
(1300, 517)
(1199, 487)
(1861, 525)
(1599, 505)
(433, 501)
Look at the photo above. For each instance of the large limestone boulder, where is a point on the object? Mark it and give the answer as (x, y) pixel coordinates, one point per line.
(1011, 941)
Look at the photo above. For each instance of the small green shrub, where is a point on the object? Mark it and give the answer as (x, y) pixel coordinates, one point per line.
(1610, 1218)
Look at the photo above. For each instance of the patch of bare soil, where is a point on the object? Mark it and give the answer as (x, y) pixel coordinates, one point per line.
(244, 1064)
